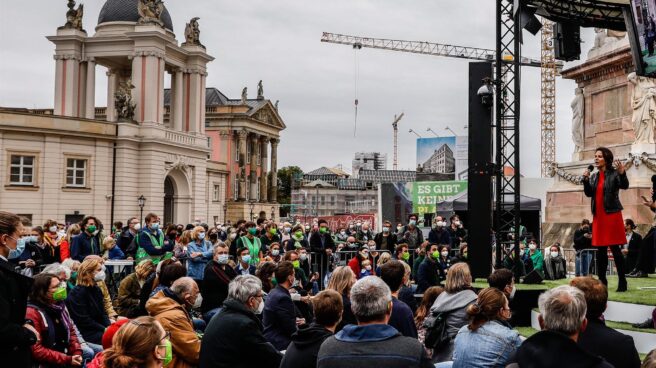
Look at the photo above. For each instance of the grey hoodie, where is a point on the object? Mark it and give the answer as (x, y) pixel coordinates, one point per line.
(456, 304)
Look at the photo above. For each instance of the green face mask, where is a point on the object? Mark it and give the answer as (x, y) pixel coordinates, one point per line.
(323, 230)
(252, 231)
(168, 357)
(436, 254)
(298, 234)
(91, 228)
(297, 264)
(274, 282)
(59, 294)
(464, 255)
(405, 256)
(73, 276)
(273, 231)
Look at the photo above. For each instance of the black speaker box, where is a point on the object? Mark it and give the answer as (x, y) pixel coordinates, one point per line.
(533, 277)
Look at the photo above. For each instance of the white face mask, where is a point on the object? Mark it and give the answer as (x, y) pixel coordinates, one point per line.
(532, 246)
(52, 229)
(137, 227)
(512, 292)
(554, 254)
(368, 268)
(198, 302)
(445, 253)
(288, 229)
(260, 307)
(100, 276)
(275, 252)
(521, 252)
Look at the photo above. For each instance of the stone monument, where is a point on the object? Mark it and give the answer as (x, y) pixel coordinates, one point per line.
(613, 108)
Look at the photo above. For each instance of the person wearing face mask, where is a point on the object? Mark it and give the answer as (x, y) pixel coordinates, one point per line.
(555, 266)
(351, 230)
(141, 342)
(428, 273)
(457, 231)
(411, 234)
(171, 308)
(439, 233)
(583, 248)
(273, 255)
(237, 330)
(218, 275)
(269, 237)
(52, 237)
(127, 235)
(356, 262)
(36, 254)
(17, 333)
(523, 266)
(244, 266)
(445, 261)
(364, 234)
(535, 255)
(150, 241)
(59, 345)
(279, 315)
(297, 239)
(504, 280)
(341, 235)
(86, 302)
(488, 340)
(88, 242)
(199, 253)
(252, 243)
(65, 243)
(322, 244)
(386, 239)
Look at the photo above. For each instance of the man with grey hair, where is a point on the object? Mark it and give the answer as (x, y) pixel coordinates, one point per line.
(562, 319)
(234, 336)
(372, 343)
(59, 270)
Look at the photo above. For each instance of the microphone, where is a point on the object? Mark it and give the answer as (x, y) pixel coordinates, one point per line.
(653, 187)
(590, 168)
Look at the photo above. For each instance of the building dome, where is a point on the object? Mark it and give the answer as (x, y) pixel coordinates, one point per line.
(127, 11)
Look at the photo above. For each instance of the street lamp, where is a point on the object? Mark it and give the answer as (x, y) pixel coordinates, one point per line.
(432, 131)
(225, 212)
(142, 202)
(451, 130)
(252, 207)
(412, 131)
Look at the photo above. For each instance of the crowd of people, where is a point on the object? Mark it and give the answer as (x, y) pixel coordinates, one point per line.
(262, 294)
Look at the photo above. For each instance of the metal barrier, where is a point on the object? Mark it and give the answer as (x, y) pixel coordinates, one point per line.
(117, 270)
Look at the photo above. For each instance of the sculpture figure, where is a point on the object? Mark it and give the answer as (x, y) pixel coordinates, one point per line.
(123, 101)
(150, 12)
(74, 16)
(275, 106)
(578, 108)
(260, 91)
(643, 102)
(244, 95)
(192, 33)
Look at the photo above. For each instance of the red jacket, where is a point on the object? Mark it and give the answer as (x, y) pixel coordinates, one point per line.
(354, 263)
(97, 361)
(44, 355)
(64, 250)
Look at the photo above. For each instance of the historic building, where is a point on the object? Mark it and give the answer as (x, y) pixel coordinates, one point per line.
(78, 159)
(368, 161)
(441, 161)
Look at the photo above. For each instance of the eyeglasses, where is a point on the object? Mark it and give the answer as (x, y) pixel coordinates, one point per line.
(167, 335)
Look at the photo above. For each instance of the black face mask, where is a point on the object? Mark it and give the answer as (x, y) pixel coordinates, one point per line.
(214, 236)
(173, 235)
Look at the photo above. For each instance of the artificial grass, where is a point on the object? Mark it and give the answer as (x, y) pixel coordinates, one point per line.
(627, 326)
(633, 295)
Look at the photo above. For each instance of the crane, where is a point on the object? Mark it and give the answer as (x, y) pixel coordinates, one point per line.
(475, 53)
(395, 125)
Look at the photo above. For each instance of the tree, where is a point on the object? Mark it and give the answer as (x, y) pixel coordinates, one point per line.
(289, 177)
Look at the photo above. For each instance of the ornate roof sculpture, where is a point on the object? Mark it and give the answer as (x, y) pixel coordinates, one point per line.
(128, 11)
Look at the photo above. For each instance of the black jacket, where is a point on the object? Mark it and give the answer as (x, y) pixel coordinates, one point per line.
(125, 239)
(613, 182)
(635, 243)
(439, 237)
(348, 318)
(617, 348)
(427, 275)
(15, 340)
(580, 241)
(40, 256)
(233, 339)
(279, 317)
(87, 309)
(303, 350)
(215, 285)
(548, 349)
(320, 242)
(391, 241)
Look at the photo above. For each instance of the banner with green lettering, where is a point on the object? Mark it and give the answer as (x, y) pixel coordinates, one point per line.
(426, 194)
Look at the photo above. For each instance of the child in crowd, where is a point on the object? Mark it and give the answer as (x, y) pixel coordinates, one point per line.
(113, 252)
(366, 269)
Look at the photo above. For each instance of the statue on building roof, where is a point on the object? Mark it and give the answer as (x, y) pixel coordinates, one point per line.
(150, 12)
(578, 106)
(275, 106)
(260, 91)
(123, 101)
(244, 95)
(74, 16)
(643, 102)
(192, 33)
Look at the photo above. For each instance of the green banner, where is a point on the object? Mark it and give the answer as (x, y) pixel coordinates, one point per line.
(426, 194)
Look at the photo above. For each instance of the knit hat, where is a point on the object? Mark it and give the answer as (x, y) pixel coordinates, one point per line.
(111, 331)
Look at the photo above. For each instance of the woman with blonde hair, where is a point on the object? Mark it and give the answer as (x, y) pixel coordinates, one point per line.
(129, 290)
(384, 258)
(488, 340)
(142, 342)
(199, 253)
(180, 250)
(86, 303)
(341, 280)
(455, 299)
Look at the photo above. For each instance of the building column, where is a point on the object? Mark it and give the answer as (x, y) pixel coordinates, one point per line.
(274, 170)
(112, 83)
(67, 88)
(264, 195)
(242, 165)
(148, 81)
(253, 174)
(90, 98)
(178, 93)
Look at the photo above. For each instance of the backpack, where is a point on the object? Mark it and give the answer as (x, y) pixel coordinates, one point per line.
(437, 334)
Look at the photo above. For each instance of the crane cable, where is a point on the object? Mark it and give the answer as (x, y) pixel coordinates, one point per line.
(356, 74)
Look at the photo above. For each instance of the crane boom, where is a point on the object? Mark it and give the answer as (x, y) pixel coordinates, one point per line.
(395, 125)
(421, 47)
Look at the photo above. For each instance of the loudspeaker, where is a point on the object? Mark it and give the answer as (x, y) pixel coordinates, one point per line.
(567, 41)
(533, 277)
(479, 178)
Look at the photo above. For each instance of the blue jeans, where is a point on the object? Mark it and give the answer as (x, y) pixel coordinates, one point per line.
(199, 325)
(583, 259)
(211, 313)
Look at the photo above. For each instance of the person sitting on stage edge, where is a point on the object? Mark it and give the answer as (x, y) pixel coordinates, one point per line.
(555, 266)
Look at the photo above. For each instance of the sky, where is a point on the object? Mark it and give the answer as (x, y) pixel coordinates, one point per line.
(279, 43)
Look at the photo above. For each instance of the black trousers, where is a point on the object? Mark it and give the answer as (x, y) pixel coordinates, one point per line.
(602, 262)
